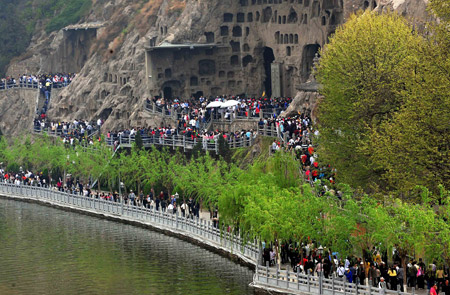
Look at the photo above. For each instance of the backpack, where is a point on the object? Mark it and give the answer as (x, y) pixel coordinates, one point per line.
(419, 272)
(412, 271)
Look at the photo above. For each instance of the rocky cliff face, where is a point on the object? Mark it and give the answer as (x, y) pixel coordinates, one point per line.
(131, 51)
(17, 110)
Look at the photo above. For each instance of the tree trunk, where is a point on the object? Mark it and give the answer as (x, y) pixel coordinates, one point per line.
(403, 262)
(276, 249)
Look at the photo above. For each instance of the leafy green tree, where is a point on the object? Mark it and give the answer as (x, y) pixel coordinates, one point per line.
(224, 149)
(413, 146)
(362, 72)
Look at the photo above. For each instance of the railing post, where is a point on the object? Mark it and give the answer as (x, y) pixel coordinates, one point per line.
(277, 273)
(308, 281)
(332, 284)
(287, 277)
(267, 272)
(298, 278)
(320, 283)
(413, 290)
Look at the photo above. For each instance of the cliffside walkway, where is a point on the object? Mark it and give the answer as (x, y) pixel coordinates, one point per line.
(199, 231)
(175, 114)
(180, 141)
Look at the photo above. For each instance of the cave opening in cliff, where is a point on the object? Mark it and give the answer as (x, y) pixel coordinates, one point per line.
(167, 92)
(269, 57)
(309, 52)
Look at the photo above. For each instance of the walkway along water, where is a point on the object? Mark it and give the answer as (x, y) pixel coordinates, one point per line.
(197, 231)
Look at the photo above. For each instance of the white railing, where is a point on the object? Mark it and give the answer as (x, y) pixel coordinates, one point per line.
(181, 141)
(197, 228)
(203, 231)
(61, 132)
(299, 283)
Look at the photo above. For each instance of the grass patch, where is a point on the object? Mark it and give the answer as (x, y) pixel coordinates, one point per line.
(70, 13)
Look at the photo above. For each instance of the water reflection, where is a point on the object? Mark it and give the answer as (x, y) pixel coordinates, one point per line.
(49, 251)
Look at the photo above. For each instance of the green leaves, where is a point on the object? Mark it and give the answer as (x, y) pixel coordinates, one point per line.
(384, 118)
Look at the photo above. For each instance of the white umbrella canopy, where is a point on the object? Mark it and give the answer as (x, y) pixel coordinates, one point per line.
(214, 104)
(230, 103)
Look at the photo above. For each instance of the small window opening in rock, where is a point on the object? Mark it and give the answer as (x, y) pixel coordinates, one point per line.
(306, 3)
(286, 39)
(247, 31)
(366, 5)
(235, 46)
(291, 38)
(246, 47)
(244, 2)
(279, 19)
(237, 31)
(267, 14)
(324, 21)
(234, 60)
(209, 37)
(206, 67)
(250, 17)
(374, 4)
(296, 39)
(221, 74)
(281, 39)
(223, 31)
(305, 19)
(257, 16)
(277, 37)
(230, 74)
(168, 73)
(246, 60)
(333, 20)
(288, 51)
(292, 18)
(227, 17)
(284, 19)
(193, 81)
(240, 18)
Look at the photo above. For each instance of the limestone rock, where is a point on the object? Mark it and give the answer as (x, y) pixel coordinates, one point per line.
(255, 46)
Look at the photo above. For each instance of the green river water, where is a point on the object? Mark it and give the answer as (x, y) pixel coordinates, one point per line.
(49, 251)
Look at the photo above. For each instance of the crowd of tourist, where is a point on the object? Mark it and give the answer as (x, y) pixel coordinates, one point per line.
(373, 270)
(158, 135)
(243, 107)
(71, 133)
(57, 80)
(160, 201)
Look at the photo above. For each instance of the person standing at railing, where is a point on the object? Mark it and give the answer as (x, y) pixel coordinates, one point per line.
(382, 286)
(132, 198)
